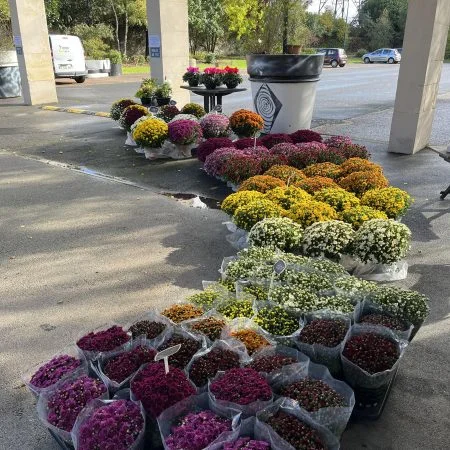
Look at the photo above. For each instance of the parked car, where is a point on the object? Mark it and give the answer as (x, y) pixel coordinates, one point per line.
(334, 56)
(386, 55)
(68, 57)
(400, 50)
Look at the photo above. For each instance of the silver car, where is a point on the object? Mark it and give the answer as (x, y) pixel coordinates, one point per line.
(386, 55)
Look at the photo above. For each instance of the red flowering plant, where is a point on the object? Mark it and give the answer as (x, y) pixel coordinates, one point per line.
(148, 328)
(116, 369)
(246, 143)
(313, 152)
(243, 389)
(97, 342)
(212, 77)
(216, 162)
(59, 407)
(270, 140)
(231, 77)
(215, 125)
(370, 356)
(210, 145)
(305, 136)
(241, 167)
(168, 112)
(130, 114)
(157, 390)
(117, 424)
(337, 141)
(184, 132)
(192, 76)
(352, 151)
(190, 345)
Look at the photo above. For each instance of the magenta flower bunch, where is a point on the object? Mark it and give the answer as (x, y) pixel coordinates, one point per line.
(208, 146)
(270, 363)
(246, 143)
(305, 136)
(70, 398)
(188, 349)
(270, 140)
(242, 166)
(168, 112)
(312, 394)
(337, 141)
(314, 152)
(55, 369)
(327, 332)
(184, 132)
(285, 149)
(371, 352)
(295, 432)
(122, 366)
(216, 161)
(116, 426)
(215, 125)
(105, 340)
(208, 365)
(197, 430)
(242, 386)
(245, 443)
(157, 390)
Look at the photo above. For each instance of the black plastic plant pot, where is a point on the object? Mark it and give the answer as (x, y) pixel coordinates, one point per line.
(116, 70)
(162, 101)
(284, 89)
(416, 328)
(147, 101)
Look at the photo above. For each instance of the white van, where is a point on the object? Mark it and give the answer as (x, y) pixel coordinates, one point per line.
(68, 57)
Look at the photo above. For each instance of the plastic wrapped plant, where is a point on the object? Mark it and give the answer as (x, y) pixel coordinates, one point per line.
(188, 349)
(361, 182)
(261, 183)
(381, 241)
(194, 109)
(215, 125)
(104, 340)
(329, 239)
(276, 232)
(208, 146)
(392, 201)
(148, 328)
(184, 132)
(325, 169)
(358, 215)
(183, 311)
(233, 308)
(131, 114)
(157, 390)
(119, 106)
(252, 340)
(310, 211)
(168, 112)
(211, 327)
(248, 215)
(294, 298)
(216, 162)
(246, 123)
(327, 332)
(115, 425)
(234, 201)
(151, 133)
(305, 136)
(338, 198)
(276, 321)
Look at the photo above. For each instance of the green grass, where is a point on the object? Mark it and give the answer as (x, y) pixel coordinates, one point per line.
(144, 70)
(239, 63)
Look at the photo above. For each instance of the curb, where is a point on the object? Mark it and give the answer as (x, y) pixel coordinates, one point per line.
(75, 111)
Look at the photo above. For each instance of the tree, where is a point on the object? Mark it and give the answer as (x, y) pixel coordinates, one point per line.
(380, 32)
(243, 16)
(206, 24)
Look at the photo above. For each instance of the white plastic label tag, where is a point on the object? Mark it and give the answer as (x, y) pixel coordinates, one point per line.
(164, 354)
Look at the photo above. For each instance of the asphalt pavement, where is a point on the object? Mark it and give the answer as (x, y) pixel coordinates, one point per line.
(87, 239)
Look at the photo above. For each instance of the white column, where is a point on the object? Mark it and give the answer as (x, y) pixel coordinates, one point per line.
(169, 43)
(30, 32)
(420, 72)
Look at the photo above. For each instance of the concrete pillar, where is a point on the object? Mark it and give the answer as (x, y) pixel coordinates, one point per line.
(30, 32)
(420, 72)
(169, 43)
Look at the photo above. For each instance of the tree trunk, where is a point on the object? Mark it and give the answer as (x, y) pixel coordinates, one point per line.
(116, 31)
(285, 27)
(125, 35)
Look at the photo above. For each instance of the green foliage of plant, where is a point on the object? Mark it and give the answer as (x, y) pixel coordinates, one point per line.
(164, 90)
(115, 57)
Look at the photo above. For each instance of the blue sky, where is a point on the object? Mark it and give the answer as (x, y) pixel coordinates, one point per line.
(315, 5)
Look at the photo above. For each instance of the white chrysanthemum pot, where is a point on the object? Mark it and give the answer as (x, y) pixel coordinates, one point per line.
(284, 89)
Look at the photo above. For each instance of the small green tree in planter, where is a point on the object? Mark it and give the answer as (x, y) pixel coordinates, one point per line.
(281, 81)
(116, 63)
(146, 91)
(163, 93)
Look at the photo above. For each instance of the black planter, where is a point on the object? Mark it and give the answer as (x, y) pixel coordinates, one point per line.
(285, 68)
(232, 85)
(193, 83)
(162, 101)
(116, 70)
(147, 101)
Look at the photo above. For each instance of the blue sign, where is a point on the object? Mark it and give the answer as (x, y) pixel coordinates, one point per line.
(155, 52)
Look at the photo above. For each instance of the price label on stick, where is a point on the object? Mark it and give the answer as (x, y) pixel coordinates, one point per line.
(217, 108)
(154, 109)
(165, 355)
(172, 103)
(278, 268)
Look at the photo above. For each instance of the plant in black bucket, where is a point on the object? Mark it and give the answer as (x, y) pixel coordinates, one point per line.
(163, 93)
(116, 63)
(146, 91)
